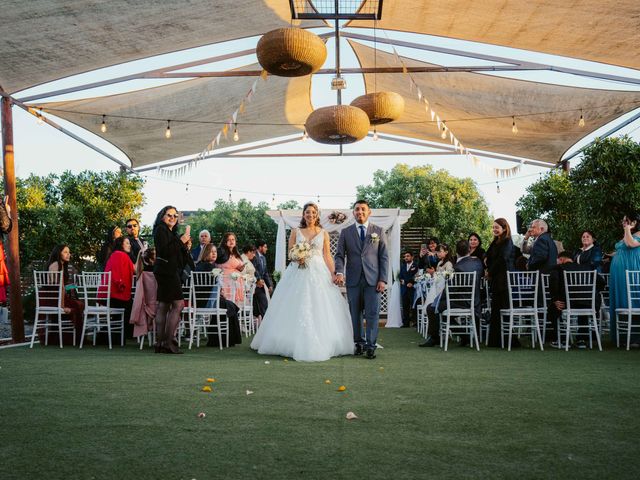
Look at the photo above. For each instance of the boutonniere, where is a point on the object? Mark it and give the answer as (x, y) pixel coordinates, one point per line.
(375, 238)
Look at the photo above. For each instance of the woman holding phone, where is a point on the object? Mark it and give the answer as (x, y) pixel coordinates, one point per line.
(172, 257)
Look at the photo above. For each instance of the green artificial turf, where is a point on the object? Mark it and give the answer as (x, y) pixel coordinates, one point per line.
(423, 413)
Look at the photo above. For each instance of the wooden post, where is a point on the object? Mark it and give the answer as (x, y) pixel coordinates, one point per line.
(11, 247)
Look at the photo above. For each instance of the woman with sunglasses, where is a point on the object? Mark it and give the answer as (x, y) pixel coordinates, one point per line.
(172, 257)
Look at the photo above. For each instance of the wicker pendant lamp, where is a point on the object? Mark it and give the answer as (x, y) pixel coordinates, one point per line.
(337, 124)
(381, 107)
(291, 52)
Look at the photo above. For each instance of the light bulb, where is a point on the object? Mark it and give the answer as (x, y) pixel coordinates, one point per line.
(167, 132)
(443, 134)
(103, 127)
(497, 187)
(514, 128)
(236, 137)
(40, 119)
(375, 135)
(581, 122)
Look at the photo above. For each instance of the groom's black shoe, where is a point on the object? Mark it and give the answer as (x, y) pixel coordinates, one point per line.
(371, 353)
(358, 350)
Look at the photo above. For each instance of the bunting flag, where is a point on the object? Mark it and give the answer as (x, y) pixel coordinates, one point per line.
(413, 85)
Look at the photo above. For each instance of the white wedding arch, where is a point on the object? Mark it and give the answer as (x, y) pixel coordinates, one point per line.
(390, 219)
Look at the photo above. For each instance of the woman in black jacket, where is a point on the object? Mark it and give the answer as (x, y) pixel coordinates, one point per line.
(499, 259)
(172, 257)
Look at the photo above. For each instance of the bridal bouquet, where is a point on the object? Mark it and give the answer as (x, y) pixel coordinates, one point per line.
(299, 253)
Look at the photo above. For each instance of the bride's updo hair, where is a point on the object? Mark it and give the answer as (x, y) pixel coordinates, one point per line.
(303, 222)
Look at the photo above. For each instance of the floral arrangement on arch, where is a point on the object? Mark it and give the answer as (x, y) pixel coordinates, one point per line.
(336, 217)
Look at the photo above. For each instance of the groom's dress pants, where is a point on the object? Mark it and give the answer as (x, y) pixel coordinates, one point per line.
(364, 296)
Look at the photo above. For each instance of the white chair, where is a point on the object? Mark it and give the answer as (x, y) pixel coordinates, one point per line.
(49, 289)
(580, 292)
(459, 297)
(624, 316)
(604, 317)
(546, 300)
(186, 315)
(523, 308)
(99, 315)
(245, 313)
(485, 324)
(205, 300)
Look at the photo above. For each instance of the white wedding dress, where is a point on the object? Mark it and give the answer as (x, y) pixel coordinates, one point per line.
(307, 319)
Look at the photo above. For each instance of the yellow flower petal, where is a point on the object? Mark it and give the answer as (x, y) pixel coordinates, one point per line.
(327, 381)
(211, 380)
(207, 388)
(381, 369)
(342, 388)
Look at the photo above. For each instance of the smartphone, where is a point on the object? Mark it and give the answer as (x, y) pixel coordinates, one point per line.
(423, 246)
(187, 230)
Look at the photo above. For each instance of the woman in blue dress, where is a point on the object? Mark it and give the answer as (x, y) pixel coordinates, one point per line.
(627, 257)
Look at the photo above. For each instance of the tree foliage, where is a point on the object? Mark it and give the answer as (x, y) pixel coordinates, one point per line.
(595, 195)
(249, 222)
(449, 206)
(76, 209)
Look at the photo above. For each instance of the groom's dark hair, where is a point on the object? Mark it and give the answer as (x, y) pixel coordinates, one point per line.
(362, 201)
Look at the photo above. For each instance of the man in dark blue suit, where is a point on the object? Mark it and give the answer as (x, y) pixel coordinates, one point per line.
(407, 276)
(204, 237)
(544, 254)
(264, 283)
(465, 263)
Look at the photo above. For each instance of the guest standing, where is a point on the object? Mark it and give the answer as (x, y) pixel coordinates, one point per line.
(407, 277)
(171, 258)
(122, 271)
(264, 283)
(230, 261)
(627, 257)
(590, 254)
(209, 256)
(107, 246)
(475, 246)
(137, 245)
(499, 259)
(248, 254)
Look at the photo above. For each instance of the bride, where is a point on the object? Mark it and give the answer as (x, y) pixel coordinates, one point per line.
(307, 319)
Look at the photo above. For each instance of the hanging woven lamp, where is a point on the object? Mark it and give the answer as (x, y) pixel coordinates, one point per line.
(337, 124)
(291, 52)
(381, 107)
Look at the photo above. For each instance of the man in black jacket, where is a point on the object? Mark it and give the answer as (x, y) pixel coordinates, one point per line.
(263, 280)
(544, 253)
(407, 277)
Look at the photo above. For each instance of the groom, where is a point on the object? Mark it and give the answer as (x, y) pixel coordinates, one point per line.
(365, 247)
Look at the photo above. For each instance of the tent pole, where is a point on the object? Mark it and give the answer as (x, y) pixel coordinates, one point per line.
(13, 250)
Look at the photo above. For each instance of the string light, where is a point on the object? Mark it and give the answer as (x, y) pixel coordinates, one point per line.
(186, 189)
(514, 128)
(40, 120)
(443, 134)
(375, 134)
(581, 121)
(230, 199)
(497, 187)
(318, 198)
(236, 137)
(167, 132)
(103, 127)
(305, 135)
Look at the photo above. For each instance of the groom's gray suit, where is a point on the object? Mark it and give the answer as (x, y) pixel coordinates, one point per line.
(367, 263)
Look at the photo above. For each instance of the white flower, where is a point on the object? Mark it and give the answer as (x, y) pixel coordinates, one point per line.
(235, 276)
(375, 238)
(216, 271)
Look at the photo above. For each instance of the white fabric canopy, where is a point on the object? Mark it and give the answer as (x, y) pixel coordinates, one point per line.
(390, 219)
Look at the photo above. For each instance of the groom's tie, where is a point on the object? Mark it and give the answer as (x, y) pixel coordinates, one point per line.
(362, 233)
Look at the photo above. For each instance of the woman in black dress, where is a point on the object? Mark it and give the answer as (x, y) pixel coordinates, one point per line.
(209, 257)
(172, 257)
(499, 259)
